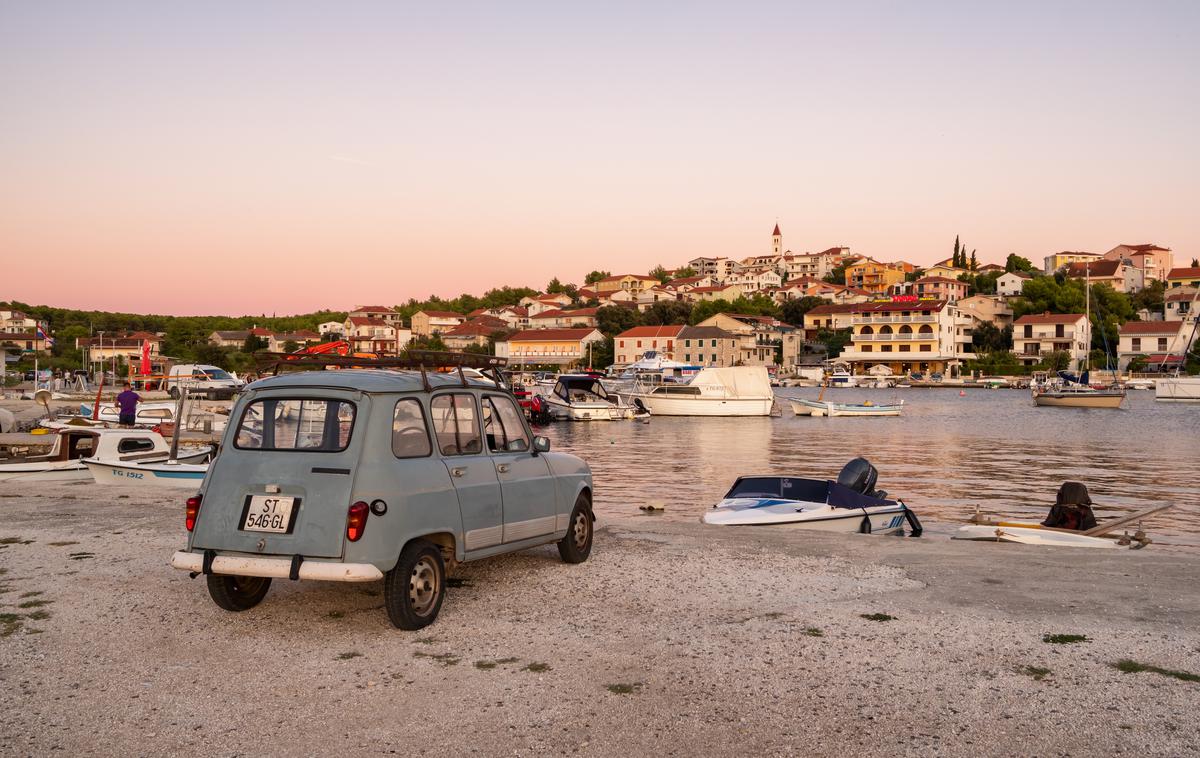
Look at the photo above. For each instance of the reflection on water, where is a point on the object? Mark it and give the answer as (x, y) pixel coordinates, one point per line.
(946, 455)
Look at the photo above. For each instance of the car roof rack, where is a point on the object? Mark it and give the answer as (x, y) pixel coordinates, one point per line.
(421, 360)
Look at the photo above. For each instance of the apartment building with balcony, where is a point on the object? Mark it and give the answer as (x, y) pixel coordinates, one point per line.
(1162, 342)
(873, 276)
(908, 335)
(562, 347)
(1055, 261)
(1035, 335)
(630, 345)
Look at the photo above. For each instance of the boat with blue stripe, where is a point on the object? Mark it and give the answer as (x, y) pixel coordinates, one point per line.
(138, 474)
(850, 504)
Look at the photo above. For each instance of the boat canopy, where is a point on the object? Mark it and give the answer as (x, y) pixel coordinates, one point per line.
(803, 490)
(569, 386)
(737, 381)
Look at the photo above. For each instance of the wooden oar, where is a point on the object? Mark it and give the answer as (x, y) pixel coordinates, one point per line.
(1108, 526)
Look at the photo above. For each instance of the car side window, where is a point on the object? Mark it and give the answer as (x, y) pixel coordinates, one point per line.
(506, 433)
(410, 438)
(455, 424)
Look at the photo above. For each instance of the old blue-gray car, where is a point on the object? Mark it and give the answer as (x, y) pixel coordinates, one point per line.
(367, 475)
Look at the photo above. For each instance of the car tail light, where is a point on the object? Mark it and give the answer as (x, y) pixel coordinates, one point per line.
(356, 520)
(193, 510)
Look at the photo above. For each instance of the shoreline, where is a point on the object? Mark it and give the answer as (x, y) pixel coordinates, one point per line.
(674, 638)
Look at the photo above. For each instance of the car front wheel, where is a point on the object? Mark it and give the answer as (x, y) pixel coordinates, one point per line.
(237, 593)
(414, 589)
(577, 545)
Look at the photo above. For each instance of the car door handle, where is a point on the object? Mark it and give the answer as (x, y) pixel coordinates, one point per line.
(502, 468)
(459, 470)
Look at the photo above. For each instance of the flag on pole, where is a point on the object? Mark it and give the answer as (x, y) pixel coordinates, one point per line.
(145, 357)
(41, 334)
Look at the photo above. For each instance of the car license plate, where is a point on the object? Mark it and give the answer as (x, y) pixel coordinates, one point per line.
(269, 513)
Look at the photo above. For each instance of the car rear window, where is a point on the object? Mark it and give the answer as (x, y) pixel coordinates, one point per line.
(305, 425)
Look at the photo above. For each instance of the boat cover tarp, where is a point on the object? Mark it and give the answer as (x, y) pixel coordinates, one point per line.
(738, 381)
(844, 497)
(787, 487)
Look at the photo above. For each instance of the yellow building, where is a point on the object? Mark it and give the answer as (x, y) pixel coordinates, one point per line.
(1054, 262)
(629, 282)
(908, 335)
(873, 276)
(557, 346)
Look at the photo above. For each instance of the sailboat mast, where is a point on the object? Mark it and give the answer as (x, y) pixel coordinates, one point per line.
(1087, 346)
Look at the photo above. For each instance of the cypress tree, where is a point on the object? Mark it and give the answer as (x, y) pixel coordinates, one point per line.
(974, 262)
(954, 260)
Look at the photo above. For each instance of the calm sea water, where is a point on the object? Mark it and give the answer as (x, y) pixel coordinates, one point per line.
(946, 455)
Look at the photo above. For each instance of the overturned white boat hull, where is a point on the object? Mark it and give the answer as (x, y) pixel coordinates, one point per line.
(1030, 536)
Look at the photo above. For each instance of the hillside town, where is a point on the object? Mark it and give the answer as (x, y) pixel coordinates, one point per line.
(780, 309)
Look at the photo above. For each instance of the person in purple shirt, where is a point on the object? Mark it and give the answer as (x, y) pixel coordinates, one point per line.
(128, 401)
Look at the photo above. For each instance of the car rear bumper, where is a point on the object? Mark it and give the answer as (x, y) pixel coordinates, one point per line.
(277, 568)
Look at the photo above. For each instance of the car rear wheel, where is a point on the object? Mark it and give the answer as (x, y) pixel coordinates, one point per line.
(237, 593)
(577, 545)
(414, 589)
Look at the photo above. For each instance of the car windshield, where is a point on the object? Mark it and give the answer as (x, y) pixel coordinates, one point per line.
(308, 425)
(218, 374)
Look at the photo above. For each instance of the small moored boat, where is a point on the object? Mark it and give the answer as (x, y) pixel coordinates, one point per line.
(582, 397)
(65, 460)
(803, 407)
(152, 474)
(850, 504)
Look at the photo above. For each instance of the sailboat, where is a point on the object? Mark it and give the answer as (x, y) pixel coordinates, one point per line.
(1183, 389)
(1080, 394)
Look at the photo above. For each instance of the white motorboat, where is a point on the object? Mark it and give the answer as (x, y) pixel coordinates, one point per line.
(732, 391)
(851, 504)
(148, 474)
(1178, 389)
(803, 407)
(840, 377)
(65, 461)
(582, 397)
(148, 414)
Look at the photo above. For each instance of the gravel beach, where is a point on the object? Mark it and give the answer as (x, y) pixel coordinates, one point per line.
(674, 639)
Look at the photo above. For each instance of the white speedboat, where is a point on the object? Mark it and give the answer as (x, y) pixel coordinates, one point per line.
(840, 377)
(803, 407)
(582, 397)
(65, 461)
(732, 391)
(851, 504)
(148, 474)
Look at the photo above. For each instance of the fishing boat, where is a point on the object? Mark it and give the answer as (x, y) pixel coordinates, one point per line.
(168, 473)
(803, 407)
(65, 460)
(582, 397)
(731, 391)
(850, 504)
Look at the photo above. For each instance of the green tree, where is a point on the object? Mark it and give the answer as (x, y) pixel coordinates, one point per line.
(254, 343)
(792, 311)
(595, 276)
(995, 363)
(660, 273)
(974, 263)
(1137, 364)
(1015, 262)
(988, 338)
(834, 340)
(685, 273)
(1150, 298)
(1195, 262)
(664, 313)
(1057, 360)
(614, 319)
(954, 259)
(838, 274)
(290, 346)
(555, 287)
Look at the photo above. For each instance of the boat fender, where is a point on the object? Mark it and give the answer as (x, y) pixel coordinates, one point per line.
(865, 527)
(913, 522)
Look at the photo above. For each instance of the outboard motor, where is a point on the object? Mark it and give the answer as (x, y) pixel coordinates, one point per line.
(859, 475)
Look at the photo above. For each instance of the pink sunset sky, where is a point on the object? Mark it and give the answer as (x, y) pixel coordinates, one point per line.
(228, 158)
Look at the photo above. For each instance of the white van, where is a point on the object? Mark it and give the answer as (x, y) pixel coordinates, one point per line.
(202, 379)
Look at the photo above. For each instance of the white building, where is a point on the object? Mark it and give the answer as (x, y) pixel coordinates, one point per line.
(1012, 283)
(1035, 335)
